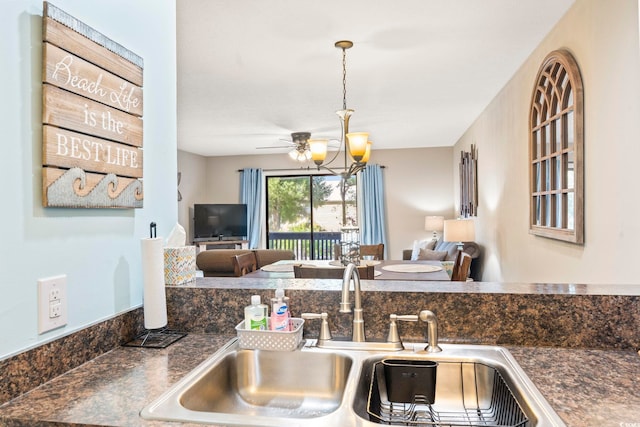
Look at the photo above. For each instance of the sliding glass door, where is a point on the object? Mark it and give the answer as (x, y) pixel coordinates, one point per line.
(305, 213)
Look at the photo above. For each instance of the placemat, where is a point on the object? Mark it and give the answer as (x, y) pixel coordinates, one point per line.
(283, 268)
(364, 262)
(273, 268)
(412, 268)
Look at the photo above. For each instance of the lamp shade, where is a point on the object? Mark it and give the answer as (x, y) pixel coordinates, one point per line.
(433, 223)
(459, 230)
(318, 148)
(357, 144)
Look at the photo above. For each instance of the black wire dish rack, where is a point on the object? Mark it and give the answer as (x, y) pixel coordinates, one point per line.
(468, 394)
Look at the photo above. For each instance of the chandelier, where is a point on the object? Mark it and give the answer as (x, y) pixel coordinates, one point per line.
(357, 146)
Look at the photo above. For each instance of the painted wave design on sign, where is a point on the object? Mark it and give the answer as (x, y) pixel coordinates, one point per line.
(62, 193)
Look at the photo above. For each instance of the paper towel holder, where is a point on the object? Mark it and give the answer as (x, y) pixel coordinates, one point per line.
(156, 338)
(161, 336)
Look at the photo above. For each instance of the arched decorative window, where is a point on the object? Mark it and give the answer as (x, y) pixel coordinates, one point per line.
(556, 132)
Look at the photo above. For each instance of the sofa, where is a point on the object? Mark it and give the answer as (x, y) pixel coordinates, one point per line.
(219, 262)
(444, 251)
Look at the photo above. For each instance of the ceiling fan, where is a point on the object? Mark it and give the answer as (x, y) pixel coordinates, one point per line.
(297, 139)
(298, 146)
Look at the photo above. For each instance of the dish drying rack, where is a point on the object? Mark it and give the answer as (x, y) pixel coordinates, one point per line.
(496, 407)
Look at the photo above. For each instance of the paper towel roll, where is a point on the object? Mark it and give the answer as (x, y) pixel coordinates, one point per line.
(154, 299)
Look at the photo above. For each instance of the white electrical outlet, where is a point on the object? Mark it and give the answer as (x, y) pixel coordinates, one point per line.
(52, 303)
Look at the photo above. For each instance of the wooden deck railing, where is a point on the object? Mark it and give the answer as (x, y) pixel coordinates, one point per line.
(306, 245)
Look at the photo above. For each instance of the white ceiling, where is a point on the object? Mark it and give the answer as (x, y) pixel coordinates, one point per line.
(250, 72)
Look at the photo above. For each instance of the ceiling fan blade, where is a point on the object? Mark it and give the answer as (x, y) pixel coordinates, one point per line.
(273, 146)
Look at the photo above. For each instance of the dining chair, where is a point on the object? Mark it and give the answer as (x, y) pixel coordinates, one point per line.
(244, 263)
(376, 252)
(337, 251)
(461, 267)
(313, 272)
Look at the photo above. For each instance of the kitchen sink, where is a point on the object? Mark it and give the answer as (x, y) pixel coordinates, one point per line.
(462, 393)
(464, 385)
(257, 387)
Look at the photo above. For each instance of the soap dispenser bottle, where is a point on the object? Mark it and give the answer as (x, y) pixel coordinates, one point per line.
(280, 312)
(255, 315)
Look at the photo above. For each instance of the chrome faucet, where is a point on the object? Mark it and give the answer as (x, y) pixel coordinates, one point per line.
(351, 273)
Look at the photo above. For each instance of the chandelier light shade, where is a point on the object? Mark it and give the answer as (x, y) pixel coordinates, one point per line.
(318, 148)
(367, 153)
(356, 145)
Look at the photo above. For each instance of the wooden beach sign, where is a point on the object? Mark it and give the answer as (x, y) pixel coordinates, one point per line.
(92, 107)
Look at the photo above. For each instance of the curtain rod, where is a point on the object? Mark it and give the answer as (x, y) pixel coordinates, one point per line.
(308, 168)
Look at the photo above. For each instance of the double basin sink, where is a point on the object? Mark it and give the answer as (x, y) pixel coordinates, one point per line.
(464, 385)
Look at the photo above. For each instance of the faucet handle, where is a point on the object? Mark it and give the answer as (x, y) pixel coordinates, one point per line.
(325, 333)
(394, 336)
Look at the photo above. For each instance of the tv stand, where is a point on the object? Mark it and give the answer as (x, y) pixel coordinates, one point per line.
(214, 241)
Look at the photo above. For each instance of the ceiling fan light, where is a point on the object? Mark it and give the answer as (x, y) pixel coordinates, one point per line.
(293, 154)
(357, 144)
(318, 149)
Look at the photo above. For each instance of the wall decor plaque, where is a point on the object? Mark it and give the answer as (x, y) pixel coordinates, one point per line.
(92, 105)
(469, 182)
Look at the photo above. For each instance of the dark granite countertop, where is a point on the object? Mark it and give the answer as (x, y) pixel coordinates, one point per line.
(585, 387)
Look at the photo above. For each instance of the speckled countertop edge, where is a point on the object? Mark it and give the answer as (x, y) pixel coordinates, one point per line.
(423, 286)
(585, 387)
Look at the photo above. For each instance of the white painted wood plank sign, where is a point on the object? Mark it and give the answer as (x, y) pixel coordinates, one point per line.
(92, 105)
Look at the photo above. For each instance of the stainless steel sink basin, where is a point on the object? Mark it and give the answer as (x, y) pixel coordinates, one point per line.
(254, 387)
(270, 383)
(474, 386)
(323, 387)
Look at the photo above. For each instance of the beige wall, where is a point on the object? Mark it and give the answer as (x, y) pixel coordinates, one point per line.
(418, 182)
(603, 36)
(192, 169)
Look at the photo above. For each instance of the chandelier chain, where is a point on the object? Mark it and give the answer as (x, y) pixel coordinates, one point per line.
(344, 79)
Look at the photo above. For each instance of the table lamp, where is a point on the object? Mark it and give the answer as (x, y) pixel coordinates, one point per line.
(459, 230)
(435, 224)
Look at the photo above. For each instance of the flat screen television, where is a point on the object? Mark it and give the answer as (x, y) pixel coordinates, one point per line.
(220, 221)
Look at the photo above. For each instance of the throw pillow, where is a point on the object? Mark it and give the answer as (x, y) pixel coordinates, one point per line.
(431, 255)
(421, 244)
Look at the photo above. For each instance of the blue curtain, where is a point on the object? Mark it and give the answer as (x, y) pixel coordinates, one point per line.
(251, 195)
(373, 222)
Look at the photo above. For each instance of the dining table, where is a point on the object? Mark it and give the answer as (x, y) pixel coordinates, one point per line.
(384, 269)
